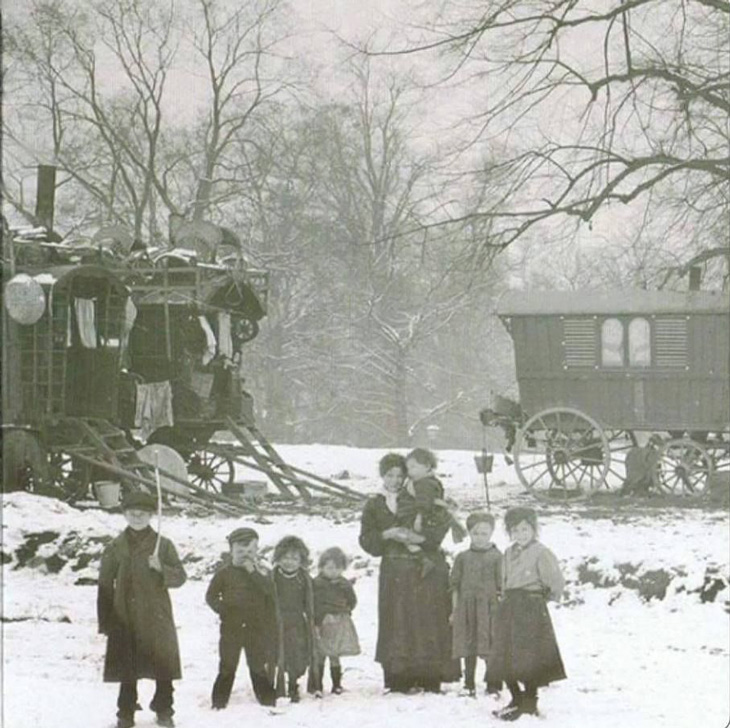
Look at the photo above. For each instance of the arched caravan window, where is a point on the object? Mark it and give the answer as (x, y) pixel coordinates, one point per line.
(639, 343)
(612, 343)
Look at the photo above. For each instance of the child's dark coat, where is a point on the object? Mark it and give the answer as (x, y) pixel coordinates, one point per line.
(135, 611)
(295, 618)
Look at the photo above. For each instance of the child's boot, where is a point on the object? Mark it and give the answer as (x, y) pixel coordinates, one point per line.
(125, 721)
(512, 710)
(336, 675)
(528, 704)
(294, 691)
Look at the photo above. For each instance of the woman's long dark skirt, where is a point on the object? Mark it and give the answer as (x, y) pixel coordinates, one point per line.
(524, 646)
(414, 635)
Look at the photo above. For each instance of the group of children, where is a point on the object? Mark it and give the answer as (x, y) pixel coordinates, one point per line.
(289, 624)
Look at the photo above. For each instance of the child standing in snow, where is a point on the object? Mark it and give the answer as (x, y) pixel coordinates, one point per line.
(242, 594)
(135, 612)
(334, 600)
(295, 617)
(476, 583)
(525, 649)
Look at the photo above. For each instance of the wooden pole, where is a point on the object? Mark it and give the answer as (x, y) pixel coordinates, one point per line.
(159, 504)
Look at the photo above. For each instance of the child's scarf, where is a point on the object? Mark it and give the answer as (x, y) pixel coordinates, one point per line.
(313, 671)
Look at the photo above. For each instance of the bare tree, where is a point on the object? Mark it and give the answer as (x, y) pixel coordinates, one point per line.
(235, 45)
(122, 145)
(595, 105)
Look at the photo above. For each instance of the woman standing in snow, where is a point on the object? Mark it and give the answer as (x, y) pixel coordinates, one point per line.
(414, 636)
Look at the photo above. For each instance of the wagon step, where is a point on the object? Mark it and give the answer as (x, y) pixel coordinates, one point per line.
(258, 453)
(101, 445)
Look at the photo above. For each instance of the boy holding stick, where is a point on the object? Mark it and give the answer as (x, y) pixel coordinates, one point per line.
(135, 613)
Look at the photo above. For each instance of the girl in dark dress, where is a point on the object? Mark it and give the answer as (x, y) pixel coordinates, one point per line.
(414, 636)
(525, 649)
(295, 617)
(476, 582)
(334, 600)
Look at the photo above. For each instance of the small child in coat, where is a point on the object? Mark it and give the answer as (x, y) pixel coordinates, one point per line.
(135, 611)
(242, 595)
(334, 600)
(525, 649)
(476, 583)
(428, 503)
(295, 617)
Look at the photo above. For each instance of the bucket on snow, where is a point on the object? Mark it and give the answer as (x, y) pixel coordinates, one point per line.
(107, 493)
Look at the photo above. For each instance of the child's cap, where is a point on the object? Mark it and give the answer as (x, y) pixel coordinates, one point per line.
(479, 517)
(139, 501)
(514, 516)
(242, 535)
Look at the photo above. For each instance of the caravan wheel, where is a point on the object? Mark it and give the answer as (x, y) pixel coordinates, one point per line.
(562, 453)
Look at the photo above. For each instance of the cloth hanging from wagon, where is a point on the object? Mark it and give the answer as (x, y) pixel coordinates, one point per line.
(210, 342)
(85, 310)
(154, 407)
(130, 316)
(225, 342)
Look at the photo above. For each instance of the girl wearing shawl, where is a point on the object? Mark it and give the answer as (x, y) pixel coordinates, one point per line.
(295, 617)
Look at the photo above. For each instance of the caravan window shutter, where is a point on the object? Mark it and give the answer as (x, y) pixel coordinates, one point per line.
(671, 342)
(579, 342)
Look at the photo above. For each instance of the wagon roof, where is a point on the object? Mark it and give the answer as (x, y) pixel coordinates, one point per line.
(627, 301)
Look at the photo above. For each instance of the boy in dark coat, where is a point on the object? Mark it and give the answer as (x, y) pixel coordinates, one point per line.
(242, 594)
(135, 612)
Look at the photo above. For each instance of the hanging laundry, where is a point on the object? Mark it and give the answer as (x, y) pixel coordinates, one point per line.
(86, 321)
(210, 343)
(225, 343)
(154, 407)
(130, 316)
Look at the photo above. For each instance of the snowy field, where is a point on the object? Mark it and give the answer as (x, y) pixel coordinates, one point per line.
(644, 627)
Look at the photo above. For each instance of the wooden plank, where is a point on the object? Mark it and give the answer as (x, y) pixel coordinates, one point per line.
(222, 450)
(242, 436)
(229, 451)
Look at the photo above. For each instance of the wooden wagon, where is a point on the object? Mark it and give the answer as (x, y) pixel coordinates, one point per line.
(599, 372)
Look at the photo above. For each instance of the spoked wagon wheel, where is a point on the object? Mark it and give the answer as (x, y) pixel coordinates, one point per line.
(209, 470)
(562, 453)
(69, 475)
(684, 468)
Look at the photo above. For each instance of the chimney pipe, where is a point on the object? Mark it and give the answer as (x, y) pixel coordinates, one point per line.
(45, 200)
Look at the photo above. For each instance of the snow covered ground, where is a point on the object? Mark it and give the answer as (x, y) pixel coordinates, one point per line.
(640, 645)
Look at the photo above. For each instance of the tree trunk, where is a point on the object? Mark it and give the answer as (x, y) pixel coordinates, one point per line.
(400, 403)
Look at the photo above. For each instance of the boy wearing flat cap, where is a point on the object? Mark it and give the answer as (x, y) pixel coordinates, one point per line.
(242, 595)
(135, 612)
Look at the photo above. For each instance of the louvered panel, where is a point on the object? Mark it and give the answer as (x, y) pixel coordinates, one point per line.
(579, 342)
(670, 338)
